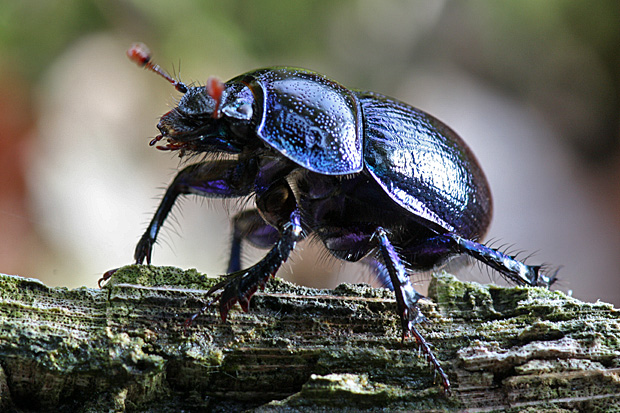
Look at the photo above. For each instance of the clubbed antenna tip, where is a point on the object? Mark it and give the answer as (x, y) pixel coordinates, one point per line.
(141, 55)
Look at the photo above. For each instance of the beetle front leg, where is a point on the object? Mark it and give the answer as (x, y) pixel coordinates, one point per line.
(220, 179)
(406, 301)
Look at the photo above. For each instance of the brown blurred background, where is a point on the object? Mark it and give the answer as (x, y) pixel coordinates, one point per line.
(533, 87)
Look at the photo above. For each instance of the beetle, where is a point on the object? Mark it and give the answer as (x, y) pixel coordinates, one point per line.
(374, 179)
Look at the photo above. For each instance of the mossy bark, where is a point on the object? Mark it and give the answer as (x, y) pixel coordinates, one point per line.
(127, 347)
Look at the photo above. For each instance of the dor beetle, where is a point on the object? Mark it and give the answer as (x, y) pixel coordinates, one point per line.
(373, 178)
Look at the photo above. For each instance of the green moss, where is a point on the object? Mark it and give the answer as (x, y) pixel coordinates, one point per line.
(130, 341)
(353, 392)
(152, 276)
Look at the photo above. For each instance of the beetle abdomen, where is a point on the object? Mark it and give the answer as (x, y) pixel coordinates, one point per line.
(424, 166)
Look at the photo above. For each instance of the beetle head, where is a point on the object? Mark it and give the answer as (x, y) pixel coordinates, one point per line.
(210, 118)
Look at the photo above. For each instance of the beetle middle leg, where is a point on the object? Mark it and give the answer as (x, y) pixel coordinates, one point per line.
(251, 227)
(278, 209)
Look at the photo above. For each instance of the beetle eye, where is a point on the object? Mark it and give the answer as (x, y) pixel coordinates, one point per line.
(237, 101)
(238, 110)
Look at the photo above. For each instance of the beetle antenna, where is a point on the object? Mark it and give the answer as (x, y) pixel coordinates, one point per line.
(141, 55)
(215, 88)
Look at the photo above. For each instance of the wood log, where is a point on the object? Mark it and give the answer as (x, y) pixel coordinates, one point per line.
(128, 347)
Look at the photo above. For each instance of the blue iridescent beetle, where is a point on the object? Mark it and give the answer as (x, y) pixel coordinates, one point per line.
(375, 179)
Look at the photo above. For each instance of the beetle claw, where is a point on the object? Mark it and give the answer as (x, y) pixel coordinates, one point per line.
(106, 276)
(144, 249)
(239, 288)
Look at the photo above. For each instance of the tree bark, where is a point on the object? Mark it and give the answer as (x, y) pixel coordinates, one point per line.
(128, 347)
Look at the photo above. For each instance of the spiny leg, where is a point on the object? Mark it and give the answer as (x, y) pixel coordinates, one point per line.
(220, 179)
(278, 207)
(406, 301)
(379, 271)
(241, 285)
(507, 265)
(450, 243)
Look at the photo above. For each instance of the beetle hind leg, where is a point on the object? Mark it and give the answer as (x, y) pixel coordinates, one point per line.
(505, 264)
(406, 301)
(434, 250)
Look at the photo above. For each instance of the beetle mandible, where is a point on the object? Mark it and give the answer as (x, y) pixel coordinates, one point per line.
(375, 179)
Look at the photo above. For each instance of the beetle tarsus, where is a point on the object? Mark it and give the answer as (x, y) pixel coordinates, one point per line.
(241, 286)
(430, 358)
(144, 249)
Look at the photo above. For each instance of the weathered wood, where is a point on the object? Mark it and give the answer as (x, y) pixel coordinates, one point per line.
(126, 347)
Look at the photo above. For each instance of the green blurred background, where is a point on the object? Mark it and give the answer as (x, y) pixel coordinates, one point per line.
(532, 86)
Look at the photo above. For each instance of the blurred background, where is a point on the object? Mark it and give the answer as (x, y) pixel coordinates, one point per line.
(532, 86)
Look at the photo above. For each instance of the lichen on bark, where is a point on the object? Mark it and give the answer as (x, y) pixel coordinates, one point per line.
(128, 347)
